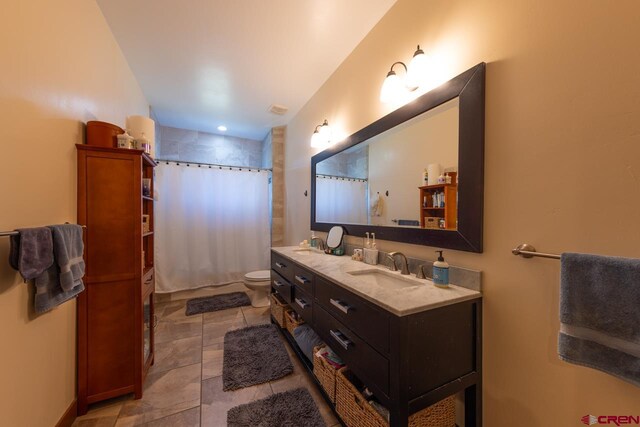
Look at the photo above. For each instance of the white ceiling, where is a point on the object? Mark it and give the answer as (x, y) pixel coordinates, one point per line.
(202, 63)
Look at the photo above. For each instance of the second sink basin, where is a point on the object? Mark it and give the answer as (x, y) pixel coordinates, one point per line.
(387, 279)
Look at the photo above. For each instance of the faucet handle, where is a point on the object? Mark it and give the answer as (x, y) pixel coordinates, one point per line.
(420, 274)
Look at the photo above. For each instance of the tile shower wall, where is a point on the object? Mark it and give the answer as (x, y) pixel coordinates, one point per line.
(277, 213)
(194, 146)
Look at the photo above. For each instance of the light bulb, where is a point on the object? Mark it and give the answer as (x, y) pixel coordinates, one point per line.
(417, 70)
(392, 89)
(316, 139)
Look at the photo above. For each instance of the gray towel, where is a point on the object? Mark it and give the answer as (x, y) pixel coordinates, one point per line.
(49, 293)
(31, 252)
(68, 249)
(599, 315)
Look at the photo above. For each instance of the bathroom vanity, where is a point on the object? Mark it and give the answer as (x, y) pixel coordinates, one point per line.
(411, 343)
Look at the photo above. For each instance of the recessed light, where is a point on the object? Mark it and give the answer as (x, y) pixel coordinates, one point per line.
(222, 128)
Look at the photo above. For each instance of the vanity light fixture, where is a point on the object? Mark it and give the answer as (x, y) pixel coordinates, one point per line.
(321, 137)
(393, 88)
(222, 128)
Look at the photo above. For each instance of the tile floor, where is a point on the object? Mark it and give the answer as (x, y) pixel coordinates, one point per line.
(184, 386)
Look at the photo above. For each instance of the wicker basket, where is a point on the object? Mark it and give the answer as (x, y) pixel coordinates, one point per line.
(278, 308)
(355, 411)
(326, 374)
(290, 322)
(432, 222)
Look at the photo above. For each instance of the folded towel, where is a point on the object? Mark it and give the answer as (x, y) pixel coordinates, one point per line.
(68, 249)
(600, 320)
(49, 293)
(31, 251)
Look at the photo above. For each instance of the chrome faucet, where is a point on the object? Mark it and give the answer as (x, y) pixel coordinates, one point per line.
(321, 244)
(394, 267)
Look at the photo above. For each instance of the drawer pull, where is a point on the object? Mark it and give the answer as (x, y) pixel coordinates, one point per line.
(277, 284)
(280, 265)
(302, 279)
(302, 303)
(155, 321)
(341, 306)
(341, 339)
(149, 280)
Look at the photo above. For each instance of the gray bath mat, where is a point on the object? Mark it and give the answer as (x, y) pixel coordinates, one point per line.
(291, 408)
(253, 355)
(217, 302)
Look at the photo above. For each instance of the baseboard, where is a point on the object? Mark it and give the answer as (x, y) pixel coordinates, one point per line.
(69, 416)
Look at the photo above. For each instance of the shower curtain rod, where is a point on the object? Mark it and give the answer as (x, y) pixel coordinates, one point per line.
(212, 165)
(320, 175)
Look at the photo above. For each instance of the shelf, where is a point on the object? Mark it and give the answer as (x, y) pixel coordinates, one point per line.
(147, 198)
(147, 234)
(432, 209)
(435, 186)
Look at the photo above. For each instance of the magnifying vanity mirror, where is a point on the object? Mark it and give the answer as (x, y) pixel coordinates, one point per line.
(374, 180)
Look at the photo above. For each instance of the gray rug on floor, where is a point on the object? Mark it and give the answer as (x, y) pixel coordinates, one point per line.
(253, 355)
(217, 302)
(291, 408)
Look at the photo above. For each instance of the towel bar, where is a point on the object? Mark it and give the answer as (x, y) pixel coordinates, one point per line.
(527, 251)
(13, 233)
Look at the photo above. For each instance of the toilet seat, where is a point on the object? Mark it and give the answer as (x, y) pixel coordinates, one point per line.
(258, 276)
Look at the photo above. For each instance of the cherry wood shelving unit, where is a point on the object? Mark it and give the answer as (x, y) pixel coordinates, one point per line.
(115, 313)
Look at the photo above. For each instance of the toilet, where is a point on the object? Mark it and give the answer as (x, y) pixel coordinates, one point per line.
(260, 283)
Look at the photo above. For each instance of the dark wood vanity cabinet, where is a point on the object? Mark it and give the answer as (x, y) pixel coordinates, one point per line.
(409, 362)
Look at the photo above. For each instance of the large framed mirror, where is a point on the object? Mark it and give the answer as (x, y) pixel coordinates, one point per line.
(373, 181)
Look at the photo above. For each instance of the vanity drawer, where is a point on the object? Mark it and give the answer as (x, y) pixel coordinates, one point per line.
(302, 303)
(281, 286)
(366, 362)
(362, 317)
(148, 283)
(303, 278)
(283, 266)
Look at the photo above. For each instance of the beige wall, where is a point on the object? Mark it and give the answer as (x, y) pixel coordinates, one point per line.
(60, 67)
(562, 171)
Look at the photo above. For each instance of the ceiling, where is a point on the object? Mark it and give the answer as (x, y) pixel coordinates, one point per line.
(203, 63)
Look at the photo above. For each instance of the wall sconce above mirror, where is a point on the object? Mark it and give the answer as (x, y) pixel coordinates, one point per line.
(441, 130)
(394, 88)
(321, 137)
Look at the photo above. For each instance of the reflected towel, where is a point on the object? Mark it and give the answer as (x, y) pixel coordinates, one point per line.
(600, 320)
(377, 205)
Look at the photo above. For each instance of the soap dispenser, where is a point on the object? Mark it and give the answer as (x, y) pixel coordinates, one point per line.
(441, 272)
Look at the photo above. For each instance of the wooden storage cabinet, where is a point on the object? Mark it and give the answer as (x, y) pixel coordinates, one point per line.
(409, 362)
(116, 312)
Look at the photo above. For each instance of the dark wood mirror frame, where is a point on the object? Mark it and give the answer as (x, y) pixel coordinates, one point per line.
(470, 88)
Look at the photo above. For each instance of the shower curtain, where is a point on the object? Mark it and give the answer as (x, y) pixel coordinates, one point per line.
(341, 200)
(212, 225)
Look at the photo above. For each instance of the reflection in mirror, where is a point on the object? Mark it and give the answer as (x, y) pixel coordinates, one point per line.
(382, 180)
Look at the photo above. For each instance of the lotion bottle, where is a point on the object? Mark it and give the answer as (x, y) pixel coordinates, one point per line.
(441, 272)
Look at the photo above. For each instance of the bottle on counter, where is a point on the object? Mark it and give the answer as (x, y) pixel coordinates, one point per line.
(441, 272)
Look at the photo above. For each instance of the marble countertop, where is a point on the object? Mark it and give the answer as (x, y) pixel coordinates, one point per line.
(420, 296)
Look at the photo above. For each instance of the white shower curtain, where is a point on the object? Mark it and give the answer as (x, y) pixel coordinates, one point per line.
(211, 225)
(341, 200)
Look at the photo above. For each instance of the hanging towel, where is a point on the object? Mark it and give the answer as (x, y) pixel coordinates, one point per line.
(68, 249)
(49, 293)
(599, 315)
(377, 205)
(31, 251)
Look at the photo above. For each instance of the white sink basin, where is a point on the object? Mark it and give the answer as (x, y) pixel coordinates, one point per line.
(387, 279)
(308, 251)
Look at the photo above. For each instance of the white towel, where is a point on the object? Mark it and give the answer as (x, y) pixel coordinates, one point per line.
(377, 205)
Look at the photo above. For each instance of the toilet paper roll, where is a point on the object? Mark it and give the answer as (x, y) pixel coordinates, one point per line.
(434, 170)
(136, 125)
